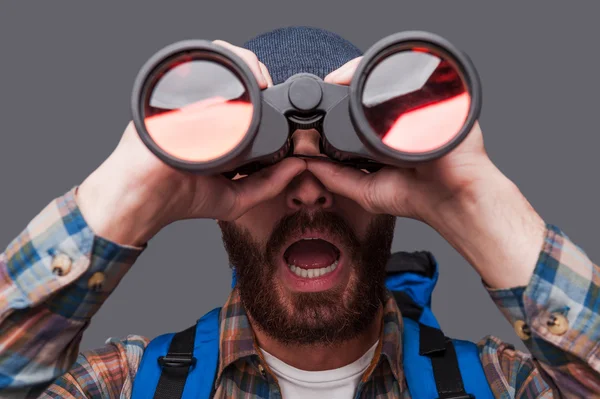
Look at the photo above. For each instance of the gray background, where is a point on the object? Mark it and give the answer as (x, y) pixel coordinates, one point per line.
(67, 70)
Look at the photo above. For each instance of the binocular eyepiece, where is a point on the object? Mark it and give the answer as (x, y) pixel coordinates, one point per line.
(414, 98)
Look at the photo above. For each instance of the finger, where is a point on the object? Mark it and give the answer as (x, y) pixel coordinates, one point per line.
(346, 181)
(385, 191)
(266, 74)
(344, 74)
(249, 58)
(265, 184)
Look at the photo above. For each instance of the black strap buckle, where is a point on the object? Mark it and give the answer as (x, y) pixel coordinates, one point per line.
(177, 360)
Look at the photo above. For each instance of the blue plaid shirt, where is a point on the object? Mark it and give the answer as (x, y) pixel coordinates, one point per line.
(56, 274)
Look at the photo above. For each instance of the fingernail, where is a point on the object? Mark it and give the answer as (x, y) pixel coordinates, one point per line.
(333, 75)
(264, 73)
(345, 72)
(262, 81)
(265, 80)
(341, 74)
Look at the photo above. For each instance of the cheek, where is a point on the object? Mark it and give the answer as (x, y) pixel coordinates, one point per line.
(354, 214)
(261, 219)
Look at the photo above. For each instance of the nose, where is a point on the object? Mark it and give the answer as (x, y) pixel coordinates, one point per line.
(306, 142)
(306, 191)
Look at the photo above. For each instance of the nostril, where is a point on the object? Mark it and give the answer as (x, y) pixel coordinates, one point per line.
(319, 201)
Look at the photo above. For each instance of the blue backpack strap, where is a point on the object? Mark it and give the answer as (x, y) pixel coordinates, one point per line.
(200, 381)
(435, 366)
(419, 368)
(471, 369)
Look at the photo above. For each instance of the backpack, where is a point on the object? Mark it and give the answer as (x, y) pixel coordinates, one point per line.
(184, 364)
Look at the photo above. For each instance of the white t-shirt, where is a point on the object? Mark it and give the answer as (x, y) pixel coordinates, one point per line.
(334, 384)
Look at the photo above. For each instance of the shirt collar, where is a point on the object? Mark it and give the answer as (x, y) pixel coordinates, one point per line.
(237, 340)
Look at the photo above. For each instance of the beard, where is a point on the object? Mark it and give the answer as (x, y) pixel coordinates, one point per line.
(325, 318)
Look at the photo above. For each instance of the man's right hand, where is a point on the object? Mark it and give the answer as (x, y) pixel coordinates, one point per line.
(132, 195)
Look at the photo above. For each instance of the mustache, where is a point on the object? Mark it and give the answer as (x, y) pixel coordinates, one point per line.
(331, 316)
(303, 221)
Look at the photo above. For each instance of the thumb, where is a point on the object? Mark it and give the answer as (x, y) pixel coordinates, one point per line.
(344, 180)
(385, 191)
(264, 185)
(343, 75)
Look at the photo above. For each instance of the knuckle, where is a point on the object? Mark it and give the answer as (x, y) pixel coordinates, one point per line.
(337, 172)
(368, 202)
(245, 54)
(221, 43)
(370, 198)
(248, 56)
(250, 63)
(236, 205)
(249, 53)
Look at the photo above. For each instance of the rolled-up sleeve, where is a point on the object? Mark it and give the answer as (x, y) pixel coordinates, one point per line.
(556, 316)
(53, 278)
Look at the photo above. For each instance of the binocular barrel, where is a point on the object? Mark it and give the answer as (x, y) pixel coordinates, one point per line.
(413, 98)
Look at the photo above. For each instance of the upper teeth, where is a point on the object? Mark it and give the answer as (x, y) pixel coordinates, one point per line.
(312, 273)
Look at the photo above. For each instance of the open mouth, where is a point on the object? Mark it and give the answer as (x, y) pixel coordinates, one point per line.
(312, 258)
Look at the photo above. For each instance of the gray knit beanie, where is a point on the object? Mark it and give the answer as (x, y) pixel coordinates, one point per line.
(288, 51)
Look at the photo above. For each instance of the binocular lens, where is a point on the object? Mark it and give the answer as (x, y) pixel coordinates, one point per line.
(415, 100)
(197, 110)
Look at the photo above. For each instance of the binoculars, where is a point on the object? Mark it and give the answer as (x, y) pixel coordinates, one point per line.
(413, 98)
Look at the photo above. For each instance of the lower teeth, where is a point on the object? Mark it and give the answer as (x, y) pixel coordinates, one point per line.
(313, 273)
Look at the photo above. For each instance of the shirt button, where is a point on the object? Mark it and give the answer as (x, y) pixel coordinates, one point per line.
(522, 330)
(61, 265)
(262, 370)
(96, 282)
(558, 324)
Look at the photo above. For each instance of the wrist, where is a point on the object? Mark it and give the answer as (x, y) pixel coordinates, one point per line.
(493, 226)
(116, 211)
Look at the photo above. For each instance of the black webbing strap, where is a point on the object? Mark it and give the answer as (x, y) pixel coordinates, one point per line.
(440, 349)
(176, 365)
(418, 262)
(407, 306)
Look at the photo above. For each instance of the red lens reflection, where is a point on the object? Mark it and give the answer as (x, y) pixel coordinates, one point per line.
(198, 111)
(415, 101)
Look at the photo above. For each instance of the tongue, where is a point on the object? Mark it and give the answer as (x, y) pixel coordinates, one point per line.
(311, 254)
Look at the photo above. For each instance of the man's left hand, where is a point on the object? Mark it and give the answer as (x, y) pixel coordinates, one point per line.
(462, 195)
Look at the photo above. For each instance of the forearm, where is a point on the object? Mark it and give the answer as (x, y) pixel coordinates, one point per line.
(544, 284)
(118, 208)
(493, 226)
(53, 278)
